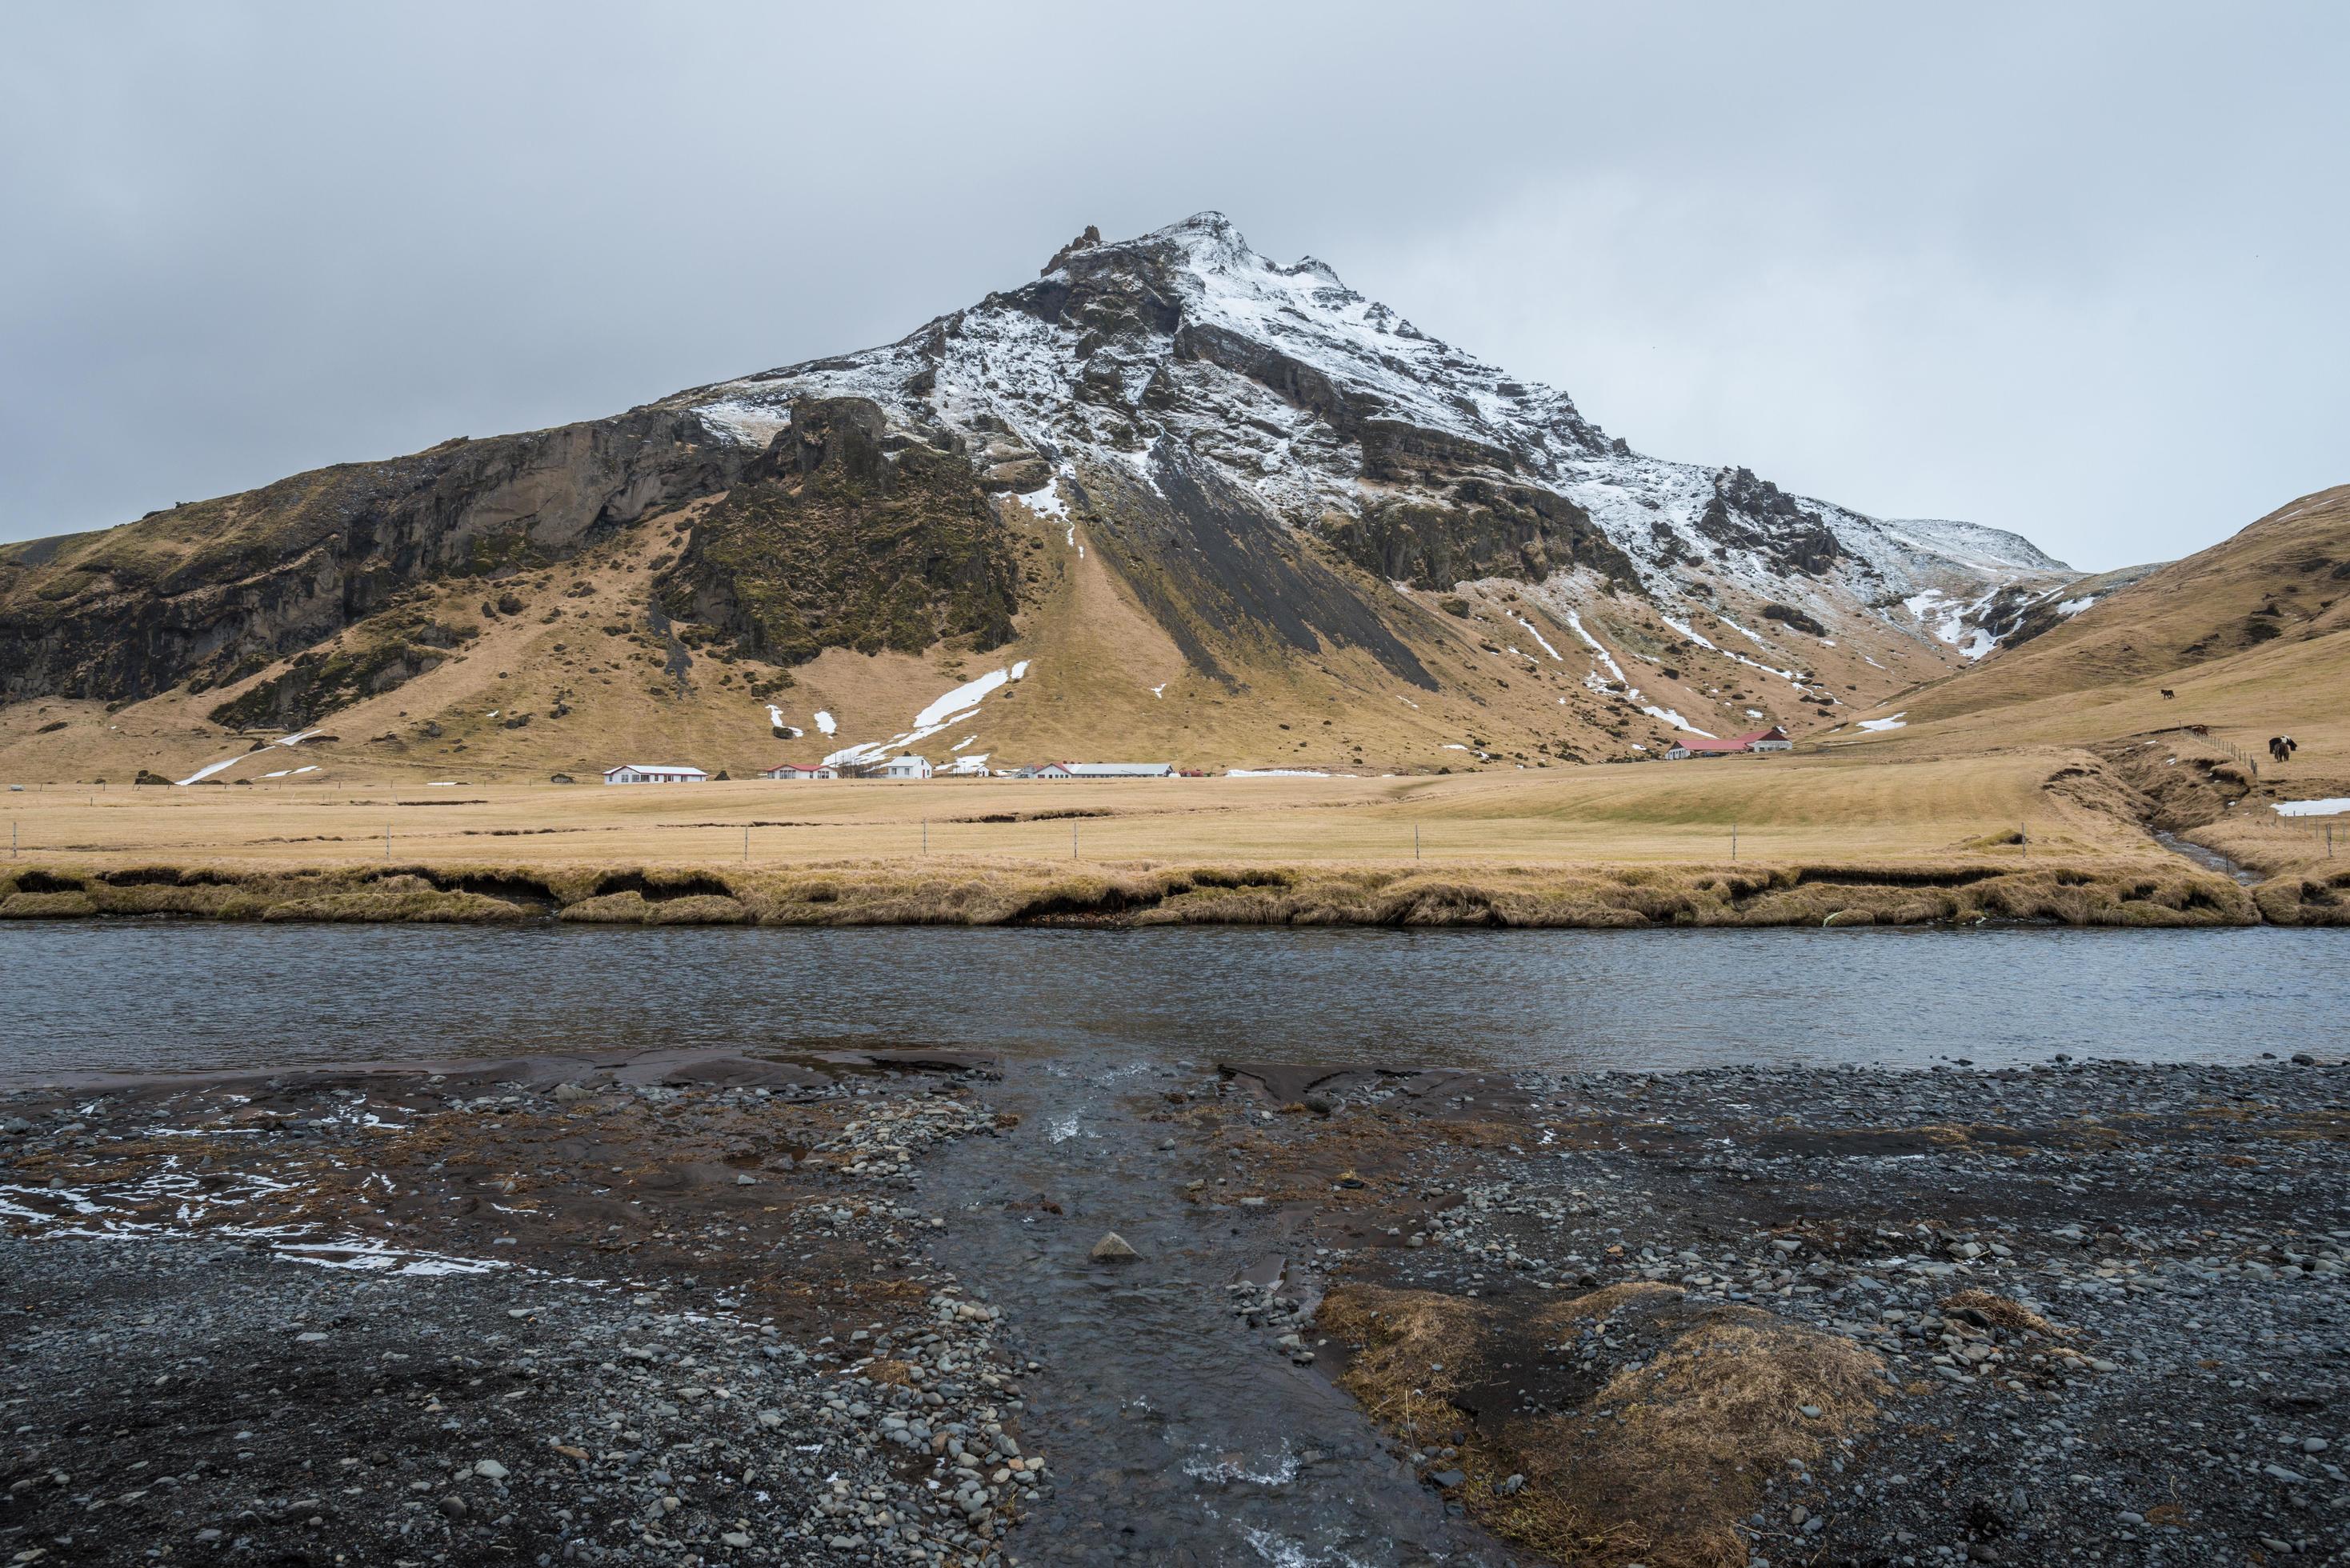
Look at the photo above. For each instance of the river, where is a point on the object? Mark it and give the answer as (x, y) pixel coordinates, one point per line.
(103, 996)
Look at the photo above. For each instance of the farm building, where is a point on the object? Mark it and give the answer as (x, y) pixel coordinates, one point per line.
(1773, 739)
(794, 771)
(1098, 771)
(907, 766)
(653, 772)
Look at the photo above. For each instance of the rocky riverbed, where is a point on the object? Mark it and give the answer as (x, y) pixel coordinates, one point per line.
(666, 1309)
(852, 1307)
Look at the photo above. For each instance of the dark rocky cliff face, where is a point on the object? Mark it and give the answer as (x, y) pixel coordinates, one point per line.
(1490, 531)
(841, 535)
(210, 592)
(1752, 514)
(1221, 577)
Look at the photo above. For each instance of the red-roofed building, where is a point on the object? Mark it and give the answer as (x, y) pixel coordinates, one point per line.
(1773, 739)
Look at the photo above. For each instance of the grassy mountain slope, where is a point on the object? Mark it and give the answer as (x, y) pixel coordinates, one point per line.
(2249, 634)
(1214, 510)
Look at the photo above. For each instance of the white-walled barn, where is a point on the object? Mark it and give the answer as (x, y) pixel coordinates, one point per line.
(653, 772)
(1098, 770)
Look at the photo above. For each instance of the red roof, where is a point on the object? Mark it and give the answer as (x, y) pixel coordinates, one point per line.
(1735, 743)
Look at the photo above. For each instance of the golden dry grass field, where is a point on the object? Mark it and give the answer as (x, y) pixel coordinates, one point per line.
(2050, 762)
(1825, 809)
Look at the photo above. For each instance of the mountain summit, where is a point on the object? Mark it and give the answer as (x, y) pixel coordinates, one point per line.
(1221, 503)
(1186, 348)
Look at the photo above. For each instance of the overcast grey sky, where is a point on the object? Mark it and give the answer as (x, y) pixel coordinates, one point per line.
(2073, 271)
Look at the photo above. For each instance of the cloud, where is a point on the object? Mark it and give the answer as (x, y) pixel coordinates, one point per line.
(2056, 269)
(2112, 413)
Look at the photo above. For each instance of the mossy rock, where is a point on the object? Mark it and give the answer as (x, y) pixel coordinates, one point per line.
(829, 541)
(385, 655)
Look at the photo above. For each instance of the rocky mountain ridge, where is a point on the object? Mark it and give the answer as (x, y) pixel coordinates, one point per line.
(1266, 482)
(1185, 350)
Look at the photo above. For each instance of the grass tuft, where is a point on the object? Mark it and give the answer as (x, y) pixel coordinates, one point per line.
(1652, 1462)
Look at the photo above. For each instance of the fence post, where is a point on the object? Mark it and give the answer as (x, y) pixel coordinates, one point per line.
(1733, 843)
(1415, 841)
(2023, 842)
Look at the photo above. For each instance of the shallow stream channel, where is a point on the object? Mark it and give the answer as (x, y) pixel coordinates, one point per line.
(1181, 1433)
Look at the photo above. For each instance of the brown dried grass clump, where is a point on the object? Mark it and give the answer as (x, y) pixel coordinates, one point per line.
(1684, 1444)
(1414, 1347)
(45, 906)
(2002, 1312)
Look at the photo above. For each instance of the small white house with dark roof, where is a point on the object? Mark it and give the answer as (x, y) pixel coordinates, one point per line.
(653, 772)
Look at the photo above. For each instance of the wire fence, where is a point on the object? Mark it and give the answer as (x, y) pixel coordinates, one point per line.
(1068, 829)
(2242, 756)
(786, 829)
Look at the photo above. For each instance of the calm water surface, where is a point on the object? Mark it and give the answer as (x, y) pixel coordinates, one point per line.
(82, 995)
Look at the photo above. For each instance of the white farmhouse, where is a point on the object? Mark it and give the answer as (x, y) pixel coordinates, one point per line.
(906, 765)
(653, 772)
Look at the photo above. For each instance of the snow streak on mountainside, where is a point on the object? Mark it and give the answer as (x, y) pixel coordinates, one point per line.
(1332, 412)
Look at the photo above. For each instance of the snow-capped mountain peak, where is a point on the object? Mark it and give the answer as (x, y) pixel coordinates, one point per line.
(1184, 348)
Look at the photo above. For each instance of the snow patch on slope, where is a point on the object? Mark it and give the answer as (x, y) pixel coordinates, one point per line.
(1675, 720)
(1575, 624)
(209, 769)
(943, 713)
(1537, 635)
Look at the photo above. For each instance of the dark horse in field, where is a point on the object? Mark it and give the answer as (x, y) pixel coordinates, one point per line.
(2282, 747)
